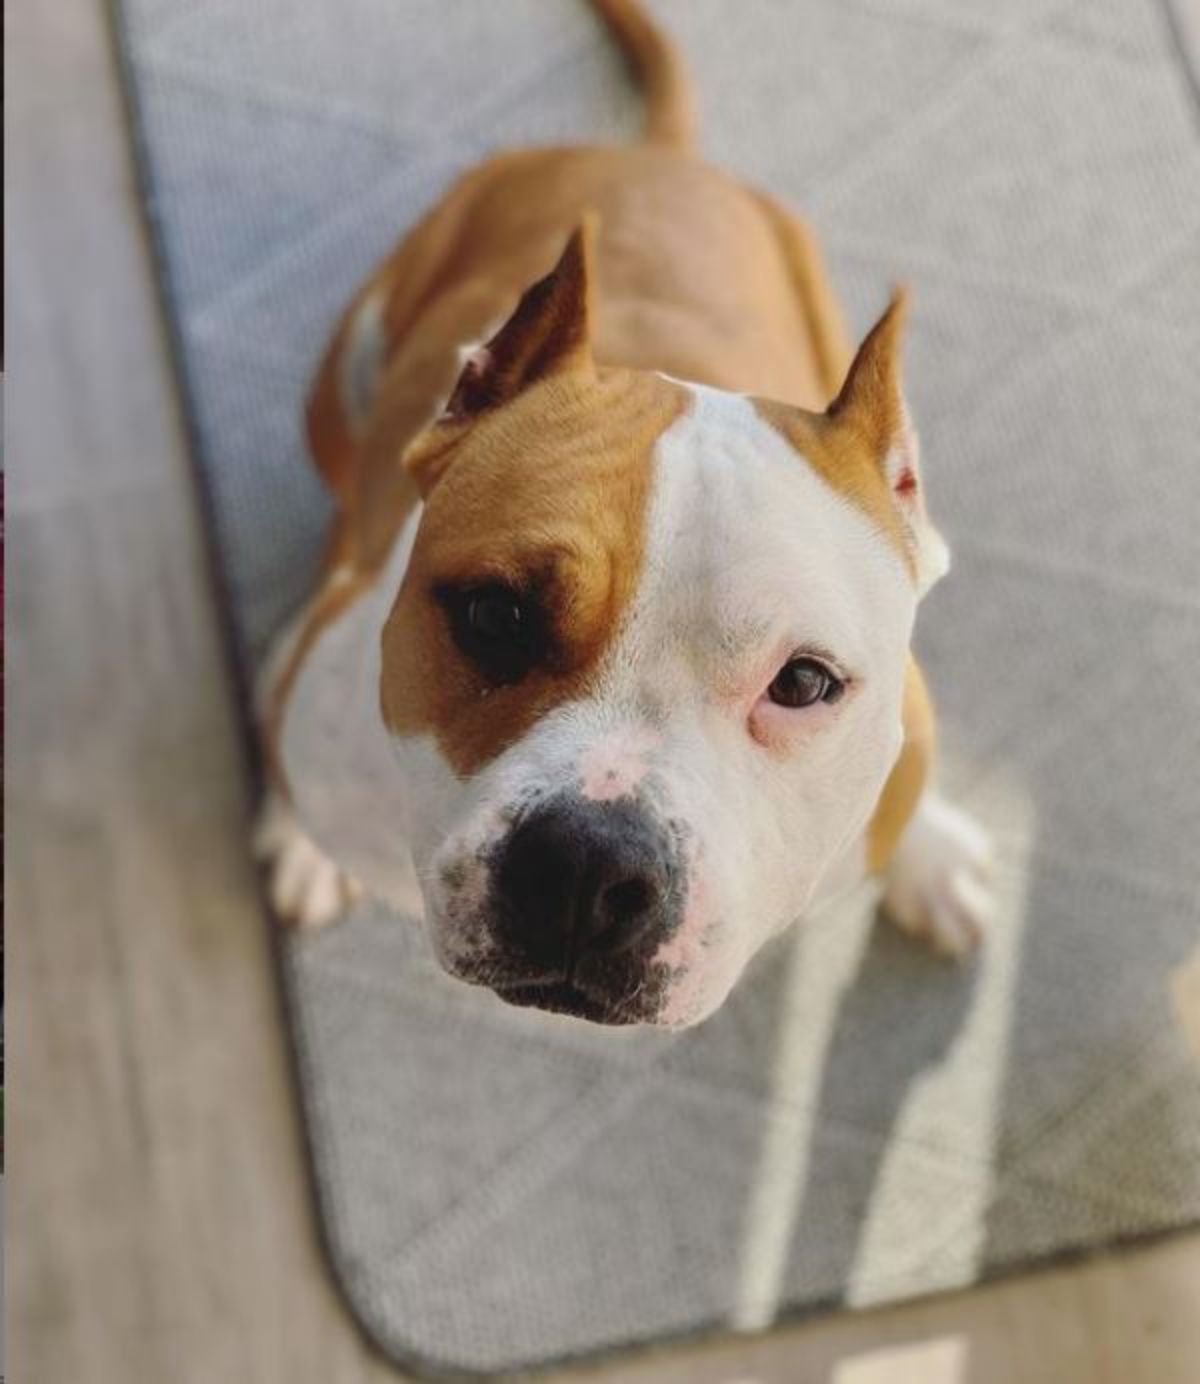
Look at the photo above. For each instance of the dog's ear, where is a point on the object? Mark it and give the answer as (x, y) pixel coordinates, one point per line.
(547, 334)
(871, 409)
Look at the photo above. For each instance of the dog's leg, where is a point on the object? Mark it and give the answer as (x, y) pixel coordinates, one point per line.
(937, 887)
(306, 888)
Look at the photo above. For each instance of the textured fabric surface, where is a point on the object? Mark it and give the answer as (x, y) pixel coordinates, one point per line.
(859, 1123)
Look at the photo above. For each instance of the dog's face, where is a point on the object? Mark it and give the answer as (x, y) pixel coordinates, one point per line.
(646, 662)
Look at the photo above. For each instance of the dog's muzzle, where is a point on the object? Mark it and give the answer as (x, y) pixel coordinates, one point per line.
(583, 895)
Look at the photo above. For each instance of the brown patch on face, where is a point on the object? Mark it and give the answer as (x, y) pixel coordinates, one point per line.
(546, 495)
(848, 445)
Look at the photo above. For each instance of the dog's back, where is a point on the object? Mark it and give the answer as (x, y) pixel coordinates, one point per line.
(697, 277)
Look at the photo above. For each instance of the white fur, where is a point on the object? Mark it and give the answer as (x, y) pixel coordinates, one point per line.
(929, 548)
(353, 796)
(305, 886)
(938, 885)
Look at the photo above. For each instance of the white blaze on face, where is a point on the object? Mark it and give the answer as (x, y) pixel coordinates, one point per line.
(614, 765)
(751, 557)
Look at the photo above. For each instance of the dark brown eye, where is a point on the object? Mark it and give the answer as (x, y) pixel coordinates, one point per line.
(495, 616)
(804, 682)
(496, 627)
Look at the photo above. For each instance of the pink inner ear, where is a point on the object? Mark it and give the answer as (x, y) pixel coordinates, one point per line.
(472, 373)
(477, 362)
(906, 482)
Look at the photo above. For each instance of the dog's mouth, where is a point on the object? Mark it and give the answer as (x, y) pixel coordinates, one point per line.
(564, 997)
(613, 998)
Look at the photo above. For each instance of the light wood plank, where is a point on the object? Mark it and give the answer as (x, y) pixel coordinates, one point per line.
(159, 1220)
(1122, 1318)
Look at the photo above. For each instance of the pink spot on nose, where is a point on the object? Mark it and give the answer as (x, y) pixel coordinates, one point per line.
(906, 482)
(613, 767)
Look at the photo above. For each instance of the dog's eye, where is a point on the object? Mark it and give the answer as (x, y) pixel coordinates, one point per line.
(804, 682)
(496, 627)
(495, 616)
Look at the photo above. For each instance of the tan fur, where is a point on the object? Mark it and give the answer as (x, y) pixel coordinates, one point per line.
(908, 778)
(670, 109)
(869, 408)
(547, 495)
(826, 330)
(695, 276)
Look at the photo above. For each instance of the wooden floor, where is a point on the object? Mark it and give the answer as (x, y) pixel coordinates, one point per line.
(158, 1220)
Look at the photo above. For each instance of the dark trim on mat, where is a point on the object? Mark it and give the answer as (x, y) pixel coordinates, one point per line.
(230, 647)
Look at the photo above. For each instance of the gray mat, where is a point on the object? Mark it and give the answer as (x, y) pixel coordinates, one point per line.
(859, 1123)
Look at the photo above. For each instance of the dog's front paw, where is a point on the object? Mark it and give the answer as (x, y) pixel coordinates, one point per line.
(306, 888)
(938, 885)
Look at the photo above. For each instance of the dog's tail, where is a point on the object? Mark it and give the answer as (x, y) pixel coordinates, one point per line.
(670, 108)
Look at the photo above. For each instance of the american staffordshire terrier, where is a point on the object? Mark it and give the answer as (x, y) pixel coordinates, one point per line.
(608, 671)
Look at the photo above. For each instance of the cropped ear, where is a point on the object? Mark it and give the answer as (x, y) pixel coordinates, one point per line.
(871, 407)
(546, 335)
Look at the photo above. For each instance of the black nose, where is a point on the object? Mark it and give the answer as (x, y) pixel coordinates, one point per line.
(580, 878)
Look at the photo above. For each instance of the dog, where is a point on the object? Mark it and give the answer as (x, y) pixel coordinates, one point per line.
(608, 671)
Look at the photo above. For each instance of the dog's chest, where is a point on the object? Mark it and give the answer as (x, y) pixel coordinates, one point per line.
(342, 772)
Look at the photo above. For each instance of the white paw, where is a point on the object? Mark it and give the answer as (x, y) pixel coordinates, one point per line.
(938, 885)
(306, 888)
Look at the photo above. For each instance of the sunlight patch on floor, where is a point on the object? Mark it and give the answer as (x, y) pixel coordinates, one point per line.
(941, 1361)
(929, 1199)
(968, 1081)
(811, 1002)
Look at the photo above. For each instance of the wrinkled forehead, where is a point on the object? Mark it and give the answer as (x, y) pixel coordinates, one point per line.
(748, 543)
(563, 471)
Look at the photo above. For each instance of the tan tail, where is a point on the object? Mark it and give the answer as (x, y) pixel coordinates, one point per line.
(670, 109)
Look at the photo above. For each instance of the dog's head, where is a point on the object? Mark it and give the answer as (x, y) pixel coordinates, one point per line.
(646, 661)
